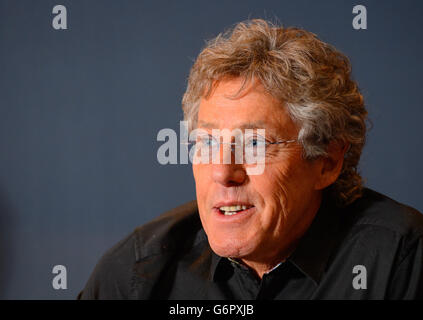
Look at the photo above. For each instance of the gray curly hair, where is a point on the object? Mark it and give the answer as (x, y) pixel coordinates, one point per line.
(311, 78)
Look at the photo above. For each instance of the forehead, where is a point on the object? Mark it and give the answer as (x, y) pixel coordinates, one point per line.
(252, 108)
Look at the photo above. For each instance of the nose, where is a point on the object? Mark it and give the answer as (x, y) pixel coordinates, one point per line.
(228, 174)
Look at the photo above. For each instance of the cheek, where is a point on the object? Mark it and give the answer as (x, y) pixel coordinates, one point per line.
(287, 183)
(273, 190)
(279, 177)
(202, 178)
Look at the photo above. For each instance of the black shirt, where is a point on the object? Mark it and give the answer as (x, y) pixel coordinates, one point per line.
(372, 249)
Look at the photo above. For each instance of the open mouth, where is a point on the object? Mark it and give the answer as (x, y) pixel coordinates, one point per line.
(233, 210)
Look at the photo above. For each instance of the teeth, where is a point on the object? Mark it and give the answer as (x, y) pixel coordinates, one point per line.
(230, 210)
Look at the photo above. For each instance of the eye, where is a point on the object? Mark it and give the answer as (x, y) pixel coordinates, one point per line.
(207, 140)
(255, 141)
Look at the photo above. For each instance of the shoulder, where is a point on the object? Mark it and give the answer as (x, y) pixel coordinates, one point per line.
(378, 210)
(378, 218)
(172, 231)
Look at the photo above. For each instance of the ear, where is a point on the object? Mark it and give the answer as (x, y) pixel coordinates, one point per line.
(331, 165)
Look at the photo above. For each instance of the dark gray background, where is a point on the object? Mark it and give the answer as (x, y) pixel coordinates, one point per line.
(80, 110)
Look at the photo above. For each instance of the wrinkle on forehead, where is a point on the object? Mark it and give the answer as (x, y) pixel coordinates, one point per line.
(254, 109)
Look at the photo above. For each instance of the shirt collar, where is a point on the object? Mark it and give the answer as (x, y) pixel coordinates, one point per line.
(312, 253)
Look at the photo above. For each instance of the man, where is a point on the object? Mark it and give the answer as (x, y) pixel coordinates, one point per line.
(305, 227)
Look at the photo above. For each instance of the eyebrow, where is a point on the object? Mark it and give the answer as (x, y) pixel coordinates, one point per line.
(249, 125)
(259, 124)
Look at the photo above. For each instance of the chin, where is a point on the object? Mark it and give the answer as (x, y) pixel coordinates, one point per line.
(233, 248)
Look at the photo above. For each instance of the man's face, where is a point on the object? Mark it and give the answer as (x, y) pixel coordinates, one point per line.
(279, 204)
